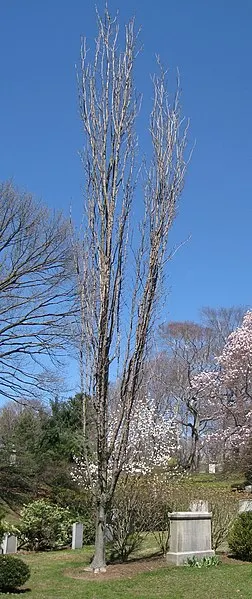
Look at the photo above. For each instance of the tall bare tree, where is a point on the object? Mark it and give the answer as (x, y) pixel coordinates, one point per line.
(118, 281)
(35, 292)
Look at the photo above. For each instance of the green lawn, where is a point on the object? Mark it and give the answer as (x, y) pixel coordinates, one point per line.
(50, 579)
(216, 481)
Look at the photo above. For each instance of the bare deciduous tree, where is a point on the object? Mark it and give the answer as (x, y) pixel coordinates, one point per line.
(35, 292)
(118, 286)
(189, 348)
(222, 321)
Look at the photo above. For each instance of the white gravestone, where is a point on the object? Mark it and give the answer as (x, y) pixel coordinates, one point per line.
(212, 468)
(77, 535)
(9, 544)
(198, 506)
(245, 505)
(190, 535)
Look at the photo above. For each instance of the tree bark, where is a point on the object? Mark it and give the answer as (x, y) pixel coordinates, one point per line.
(99, 561)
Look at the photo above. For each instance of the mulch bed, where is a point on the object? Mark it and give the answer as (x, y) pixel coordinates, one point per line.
(132, 568)
(120, 571)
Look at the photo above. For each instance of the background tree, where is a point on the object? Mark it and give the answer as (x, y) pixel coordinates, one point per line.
(188, 351)
(20, 435)
(188, 348)
(229, 387)
(37, 448)
(222, 322)
(117, 287)
(62, 431)
(35, 292)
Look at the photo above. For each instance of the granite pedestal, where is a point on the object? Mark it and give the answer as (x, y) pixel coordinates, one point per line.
(190, 535)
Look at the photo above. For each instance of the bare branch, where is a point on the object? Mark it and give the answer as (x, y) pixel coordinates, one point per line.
(36, 291)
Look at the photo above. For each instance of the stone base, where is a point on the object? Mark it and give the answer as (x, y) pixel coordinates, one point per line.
(180, 559)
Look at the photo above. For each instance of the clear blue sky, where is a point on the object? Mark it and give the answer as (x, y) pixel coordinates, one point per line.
(40, 133)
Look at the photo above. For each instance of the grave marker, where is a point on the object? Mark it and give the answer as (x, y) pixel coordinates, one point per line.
(77, 535)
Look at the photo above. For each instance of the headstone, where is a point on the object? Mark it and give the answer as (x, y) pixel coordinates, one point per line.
(212, 468)
(248, 489)
(198, 506)
(190, 535)
(9, 544)
(77, 535)
(245, 505)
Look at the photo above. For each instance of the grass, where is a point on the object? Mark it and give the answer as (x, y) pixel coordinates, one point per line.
(216, 481)
(50, 580)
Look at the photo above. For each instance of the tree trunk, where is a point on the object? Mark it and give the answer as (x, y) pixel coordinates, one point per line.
(99, 562)
(193, 460)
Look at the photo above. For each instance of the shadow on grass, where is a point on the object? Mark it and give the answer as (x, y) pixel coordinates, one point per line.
(230, 558)
(15, 592)
(136, 559)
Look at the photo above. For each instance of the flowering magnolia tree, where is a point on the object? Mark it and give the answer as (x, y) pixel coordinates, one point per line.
(228, 388)
(152, 439)
(152, 445)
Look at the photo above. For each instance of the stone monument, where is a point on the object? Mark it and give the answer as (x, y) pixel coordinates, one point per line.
(190, 535)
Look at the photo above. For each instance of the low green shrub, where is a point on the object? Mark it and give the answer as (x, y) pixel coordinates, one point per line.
(44, 526)
(240, 537)
(13, 573)
(80, 504)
